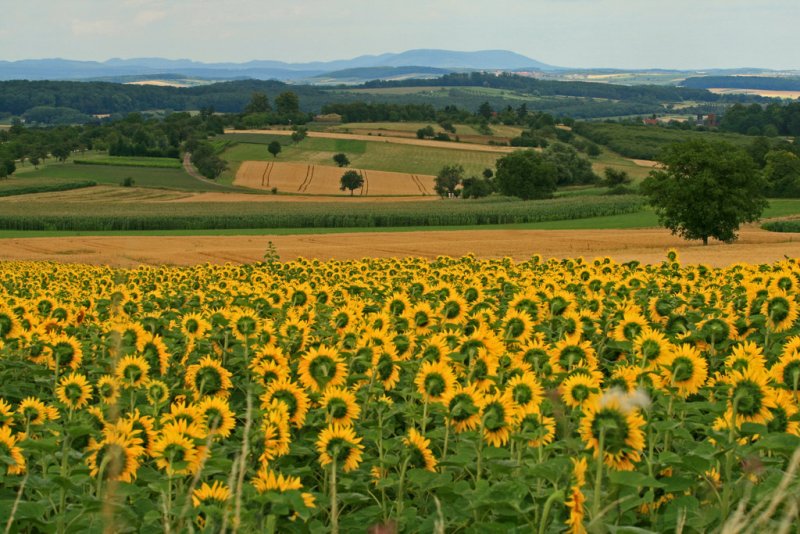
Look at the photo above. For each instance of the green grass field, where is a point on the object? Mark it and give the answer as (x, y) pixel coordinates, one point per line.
(101, 159)
(371, 155)
(114, 175)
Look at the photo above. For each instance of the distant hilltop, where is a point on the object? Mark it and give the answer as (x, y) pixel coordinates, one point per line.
(430, 62)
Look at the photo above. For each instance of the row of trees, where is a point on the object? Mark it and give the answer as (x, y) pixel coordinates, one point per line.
(133, 135)
(770, 121)
(527, 174)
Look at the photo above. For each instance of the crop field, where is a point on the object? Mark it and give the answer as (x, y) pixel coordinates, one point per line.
(165, 178)
(136, 216)
(162, 163)
(305, 179)
(369, 155)
(450, 395)
(25, 186)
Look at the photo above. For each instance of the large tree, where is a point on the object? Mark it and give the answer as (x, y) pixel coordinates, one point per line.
(706, 190)
(287, 103)
(526, 174)
(274, 148)
(259, 103)
(351, 180)
(341, 159)
(448, 179)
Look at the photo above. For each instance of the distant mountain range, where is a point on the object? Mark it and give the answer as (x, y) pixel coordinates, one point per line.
(412, 63)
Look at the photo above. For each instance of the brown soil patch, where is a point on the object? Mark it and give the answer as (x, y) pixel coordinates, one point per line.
(759, 92)
(309, 179)
(645, 162)
(645, 245)
(102, 193)
(388, 139)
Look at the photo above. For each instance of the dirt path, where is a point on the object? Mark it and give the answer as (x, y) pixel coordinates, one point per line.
(388, 139)
(645, 245)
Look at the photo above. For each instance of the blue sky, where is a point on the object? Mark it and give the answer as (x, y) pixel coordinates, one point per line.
(572, 33)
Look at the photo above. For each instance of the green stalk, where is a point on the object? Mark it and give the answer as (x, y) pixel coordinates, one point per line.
(548, 504)
(598, 481)
(334, 503)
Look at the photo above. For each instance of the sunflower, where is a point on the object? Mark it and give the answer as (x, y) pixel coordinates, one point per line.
(784, 414)
(117, 454)
(385, 368)
(271, 354)
(208, 377)
(618, 426)
(295, 334)
(685, 369)
(320, 368)
(750, 398)
(217, 417)
(525, 390)
(64, 351)
(74, 391)
(132, 371)
(275, 427)
(245, 325)
(527, 302)
(570, 354)
(535, 355)
(340, 405)
(434, 381)
(154, 350)
(538, 428)
(483, 369)
(649, 345)
(420, 455)
(143, 428)
(482, 337)
(421, 317)
(33, 411)
(746, 355)
(454, 309)
(10, 453)
(786, 371)
(580, 390)
(291, 395)
(499, 414)
(576, 503)
(176, 452)
(108, 389)
(6, 414)
(187, 414)
(268, 371)
(194, 326)
(217, 493)
(781, 311)
(339, 444)
(630, 326)
(517, 326)
(268, 480)
(157, 392)
(463, 407)
(10, 327)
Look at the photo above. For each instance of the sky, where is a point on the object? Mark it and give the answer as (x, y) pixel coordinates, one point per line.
(634, 34)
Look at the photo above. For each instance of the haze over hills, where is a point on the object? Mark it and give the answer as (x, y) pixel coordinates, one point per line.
(441, 61)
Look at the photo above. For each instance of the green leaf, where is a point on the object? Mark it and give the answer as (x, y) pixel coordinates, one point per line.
(634, 479)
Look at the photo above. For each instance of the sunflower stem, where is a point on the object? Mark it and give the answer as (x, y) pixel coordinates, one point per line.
(598, 481)
(334, 503)
(548, 504)
(424, 414)
(400, 488)
(446, 436)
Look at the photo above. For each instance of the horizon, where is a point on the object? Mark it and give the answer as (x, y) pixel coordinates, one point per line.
(575, 34)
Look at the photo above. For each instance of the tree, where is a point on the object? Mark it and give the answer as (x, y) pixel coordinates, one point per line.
(526, 174)
(427, 131)
(299, 134)
(274, 148)
(573, 169)
(448, 179)
(474, 187)
(615, 177)
(287, 103)
(341, 159)
(351, 180)
(61, 152)
(259, 103)
(782, 173)
(705, 190)
(485, 110)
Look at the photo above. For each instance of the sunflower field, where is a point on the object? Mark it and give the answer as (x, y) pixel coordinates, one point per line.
(400, 395)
